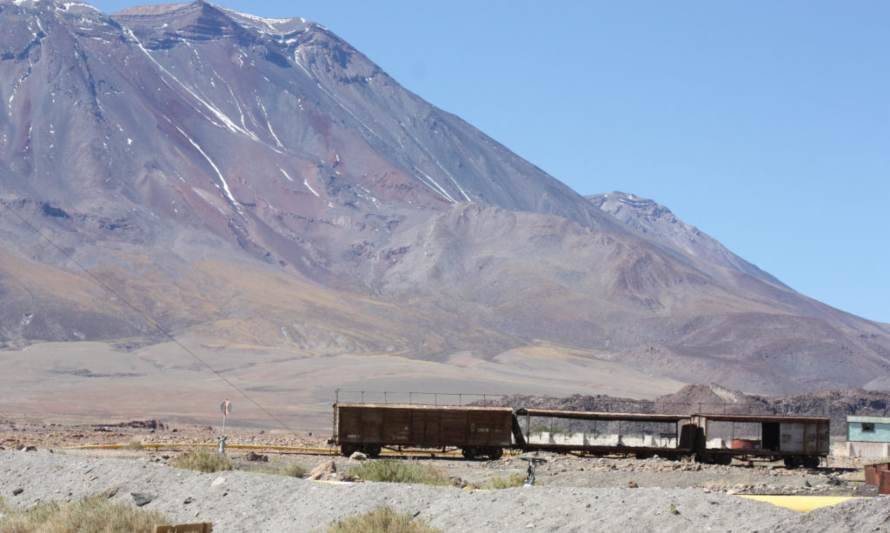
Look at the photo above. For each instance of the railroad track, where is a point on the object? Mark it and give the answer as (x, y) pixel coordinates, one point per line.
(296, 450)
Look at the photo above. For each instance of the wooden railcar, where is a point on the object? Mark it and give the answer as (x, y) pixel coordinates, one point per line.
(477, 431)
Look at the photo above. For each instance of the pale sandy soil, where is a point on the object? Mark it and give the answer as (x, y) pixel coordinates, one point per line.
(89, 381)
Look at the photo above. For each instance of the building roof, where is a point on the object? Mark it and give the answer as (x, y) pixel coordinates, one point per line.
(869, 419)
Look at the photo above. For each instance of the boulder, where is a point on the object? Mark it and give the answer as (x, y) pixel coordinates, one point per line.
(325, 470)
(256, 457)
(141, 499)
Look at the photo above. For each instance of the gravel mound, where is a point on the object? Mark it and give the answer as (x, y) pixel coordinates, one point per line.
(861, 516)
(242, 501)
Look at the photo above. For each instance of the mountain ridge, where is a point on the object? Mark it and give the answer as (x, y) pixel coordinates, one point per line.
(177, 145)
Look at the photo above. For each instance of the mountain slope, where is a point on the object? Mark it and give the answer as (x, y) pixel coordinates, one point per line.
(260, 181)
(655, 221)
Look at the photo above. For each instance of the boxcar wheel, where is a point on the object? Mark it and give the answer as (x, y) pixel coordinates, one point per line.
(792, 462)
(371, 450)
(495, 453)
(812, 462)
(468, 453)
(724, 460)
(346, 450)
(715, 459)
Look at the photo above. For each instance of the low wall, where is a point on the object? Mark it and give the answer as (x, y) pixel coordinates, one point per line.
(864, 450)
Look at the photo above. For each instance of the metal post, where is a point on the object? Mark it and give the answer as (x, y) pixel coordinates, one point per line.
(411, 398)
(363, 396)
(460, 399)
(384, 397)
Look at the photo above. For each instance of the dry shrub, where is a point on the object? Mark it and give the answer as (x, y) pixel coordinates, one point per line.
(513, 480)
(279, 469)
(95, 515)
(202, 460)
(391, 471)
(382, 520)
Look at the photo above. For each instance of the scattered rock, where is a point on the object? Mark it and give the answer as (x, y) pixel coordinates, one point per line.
(218, 482)
(134, 424)
(358, 456)
(256, 457)
(16, 492)
(458, 482)
(188, 501)
(140, 499)
(632, 484)
(28, 449)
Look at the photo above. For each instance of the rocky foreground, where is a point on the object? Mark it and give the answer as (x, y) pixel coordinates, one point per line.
(242, 501)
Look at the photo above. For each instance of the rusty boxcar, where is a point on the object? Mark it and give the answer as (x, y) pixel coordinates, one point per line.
(477, 431)
(798, 440)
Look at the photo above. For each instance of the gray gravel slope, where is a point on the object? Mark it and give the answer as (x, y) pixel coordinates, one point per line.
(240, 501)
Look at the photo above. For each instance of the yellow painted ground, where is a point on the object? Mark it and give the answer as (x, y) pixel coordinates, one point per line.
(803, 504)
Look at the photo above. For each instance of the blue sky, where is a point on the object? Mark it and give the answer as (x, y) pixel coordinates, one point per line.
(766, 124)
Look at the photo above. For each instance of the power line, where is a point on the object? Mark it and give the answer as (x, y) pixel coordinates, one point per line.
(153, 323)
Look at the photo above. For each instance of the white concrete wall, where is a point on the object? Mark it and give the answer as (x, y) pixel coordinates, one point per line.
(864, 450)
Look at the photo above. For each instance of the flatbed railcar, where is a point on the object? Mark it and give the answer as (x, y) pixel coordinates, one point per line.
(675, 443)
(477, 431)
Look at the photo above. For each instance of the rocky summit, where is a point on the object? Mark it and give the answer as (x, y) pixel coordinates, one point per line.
(261, 184)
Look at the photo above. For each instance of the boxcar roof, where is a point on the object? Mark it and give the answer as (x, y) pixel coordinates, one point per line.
(762, 418)
(593, 415)
(425, 407)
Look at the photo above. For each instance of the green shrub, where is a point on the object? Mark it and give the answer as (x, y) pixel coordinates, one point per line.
(382, 520)
(135, 445)
(202, 460)
(392, 471)
(96, 514)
